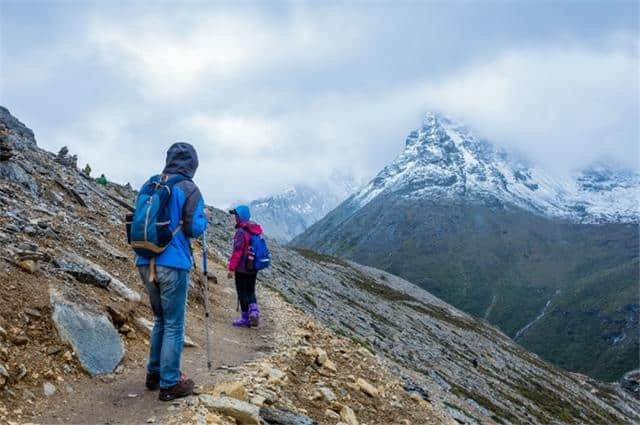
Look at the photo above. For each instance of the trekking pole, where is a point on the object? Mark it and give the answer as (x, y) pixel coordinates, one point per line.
(205, 295)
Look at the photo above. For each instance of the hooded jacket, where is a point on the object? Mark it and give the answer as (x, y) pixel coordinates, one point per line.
(186, 206)
(241, 240)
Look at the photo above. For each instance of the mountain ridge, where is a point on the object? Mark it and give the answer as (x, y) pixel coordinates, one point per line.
(444, 159)
(460, 219)
(286, 214)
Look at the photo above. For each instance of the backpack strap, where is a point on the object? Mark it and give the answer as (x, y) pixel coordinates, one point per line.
(247, 241)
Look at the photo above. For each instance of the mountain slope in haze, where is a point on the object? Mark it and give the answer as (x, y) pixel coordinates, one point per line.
(553, 262)
(287, 214)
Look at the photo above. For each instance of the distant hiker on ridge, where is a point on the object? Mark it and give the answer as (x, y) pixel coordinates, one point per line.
(169, 211)
(250, 255)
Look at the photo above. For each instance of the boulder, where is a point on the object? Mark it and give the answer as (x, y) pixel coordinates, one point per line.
(367, 388)
(277, 416)
(231, 389)
(49, 389)
(348, 416)
(244, 413)
(29, 266)
(321, 357)
(83, 270)
(326, 394)
(86, 271)
(96, 342)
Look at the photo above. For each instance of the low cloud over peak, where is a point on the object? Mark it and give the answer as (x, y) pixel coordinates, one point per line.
(300, 92)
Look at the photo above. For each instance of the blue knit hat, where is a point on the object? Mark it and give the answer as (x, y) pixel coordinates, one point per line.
(243, 212)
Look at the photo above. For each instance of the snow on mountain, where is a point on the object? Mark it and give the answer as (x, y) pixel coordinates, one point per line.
(444, 160)
(289, 213)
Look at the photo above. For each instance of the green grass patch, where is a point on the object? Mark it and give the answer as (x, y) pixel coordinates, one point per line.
(362, 344)
(281, 294)
(320, 258)
(486, 403)
(309, 299)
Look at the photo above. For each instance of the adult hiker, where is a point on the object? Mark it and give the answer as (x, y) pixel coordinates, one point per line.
(169, 212)
(244, 265)
(102, 180)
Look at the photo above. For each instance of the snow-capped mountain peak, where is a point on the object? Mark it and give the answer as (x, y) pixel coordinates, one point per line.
(290, 212)
(444, 160)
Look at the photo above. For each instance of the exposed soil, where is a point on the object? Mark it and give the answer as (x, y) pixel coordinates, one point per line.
(121, 398)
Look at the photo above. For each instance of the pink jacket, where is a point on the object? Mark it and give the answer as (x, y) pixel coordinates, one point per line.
(244, 230)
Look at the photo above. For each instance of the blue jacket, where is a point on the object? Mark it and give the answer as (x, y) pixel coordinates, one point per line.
(186, 205)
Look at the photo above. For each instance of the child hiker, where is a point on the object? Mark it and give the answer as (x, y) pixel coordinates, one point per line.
(245, 275)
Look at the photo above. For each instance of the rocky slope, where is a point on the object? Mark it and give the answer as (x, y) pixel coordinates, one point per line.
(386, 350)
(553, 263)
(287, 214)
(74, 325)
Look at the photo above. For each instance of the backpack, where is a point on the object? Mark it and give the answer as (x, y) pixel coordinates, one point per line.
(148, 230)
(258, 255)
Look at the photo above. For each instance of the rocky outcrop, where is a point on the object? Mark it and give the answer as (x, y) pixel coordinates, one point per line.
(92, 335)
(63, 158)
(88, 272)
(14, 133)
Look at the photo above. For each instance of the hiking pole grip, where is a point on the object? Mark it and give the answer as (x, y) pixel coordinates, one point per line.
(205, 296)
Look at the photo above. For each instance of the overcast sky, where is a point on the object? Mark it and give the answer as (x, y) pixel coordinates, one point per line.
(278, 93)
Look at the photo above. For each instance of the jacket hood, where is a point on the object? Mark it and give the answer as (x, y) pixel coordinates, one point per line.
(181, 159)
(251, 227)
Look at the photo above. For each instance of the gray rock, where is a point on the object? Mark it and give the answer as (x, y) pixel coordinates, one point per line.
(277, 416)
(20, 137)
(83, 270)
(12, 228)
(244, 413)
(32, 312)
(109, 249)
(13, 172)
(49, 389)
(92, 335)
(327, 394)
(86, 271)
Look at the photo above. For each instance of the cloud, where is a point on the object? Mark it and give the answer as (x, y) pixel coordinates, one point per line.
(295, 93)
(562, 107)
(220, 47)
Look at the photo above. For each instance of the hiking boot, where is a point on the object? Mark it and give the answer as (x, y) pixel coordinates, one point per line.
(254, 315)
(242, 321)
(183, 388)
(153, 381)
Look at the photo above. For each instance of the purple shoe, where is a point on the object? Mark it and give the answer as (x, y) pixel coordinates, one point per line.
(242, 321)
(254, 315)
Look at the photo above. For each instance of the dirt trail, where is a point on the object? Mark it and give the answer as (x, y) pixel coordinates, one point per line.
(122, 398)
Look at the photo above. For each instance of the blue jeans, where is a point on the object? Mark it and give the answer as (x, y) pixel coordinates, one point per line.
(168, 298)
